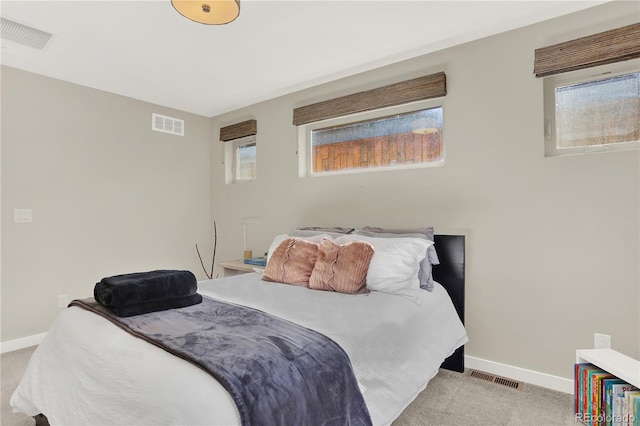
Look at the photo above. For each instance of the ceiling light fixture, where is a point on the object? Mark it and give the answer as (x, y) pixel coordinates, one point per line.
(209, 12)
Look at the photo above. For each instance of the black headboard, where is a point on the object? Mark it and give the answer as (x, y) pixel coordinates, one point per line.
(450, 273)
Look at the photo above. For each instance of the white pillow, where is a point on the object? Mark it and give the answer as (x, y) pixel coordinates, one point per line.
(395, 264)
(280, 238)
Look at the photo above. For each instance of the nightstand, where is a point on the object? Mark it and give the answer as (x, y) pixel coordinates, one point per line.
(236, 267)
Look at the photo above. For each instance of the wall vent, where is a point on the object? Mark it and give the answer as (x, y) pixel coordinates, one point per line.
(162, 123)
(22, 34)
(495, 379)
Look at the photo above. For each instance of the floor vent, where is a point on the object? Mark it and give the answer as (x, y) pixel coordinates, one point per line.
(495, 379)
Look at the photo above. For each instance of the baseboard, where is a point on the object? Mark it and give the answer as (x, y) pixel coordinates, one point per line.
(23, 342)
(521, 374)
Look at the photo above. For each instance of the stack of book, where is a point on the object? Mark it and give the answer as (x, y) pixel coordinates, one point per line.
(601, 399)
(257, 261)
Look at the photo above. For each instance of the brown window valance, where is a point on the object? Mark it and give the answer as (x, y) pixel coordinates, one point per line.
(417, 89)
(239, 130)
(603, 48)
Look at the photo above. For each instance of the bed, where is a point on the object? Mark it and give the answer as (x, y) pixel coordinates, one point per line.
(87, 371)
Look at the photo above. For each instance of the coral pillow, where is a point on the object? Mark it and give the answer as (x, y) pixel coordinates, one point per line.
(342, 268)
(292, 262)
(280, 238)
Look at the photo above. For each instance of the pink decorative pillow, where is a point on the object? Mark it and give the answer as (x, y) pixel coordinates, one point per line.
(292, 262)
(342, 268)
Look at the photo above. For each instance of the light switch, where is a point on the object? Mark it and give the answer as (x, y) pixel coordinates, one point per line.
(22, 216)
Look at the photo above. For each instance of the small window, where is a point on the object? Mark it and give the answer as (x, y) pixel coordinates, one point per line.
(592, 110)
(399, 137)
(240, 161)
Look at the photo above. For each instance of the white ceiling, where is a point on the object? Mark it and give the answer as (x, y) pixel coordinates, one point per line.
(146, 50)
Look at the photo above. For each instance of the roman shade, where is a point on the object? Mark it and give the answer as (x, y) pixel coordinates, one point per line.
(239, 130)
(620, 44)
(417, 89)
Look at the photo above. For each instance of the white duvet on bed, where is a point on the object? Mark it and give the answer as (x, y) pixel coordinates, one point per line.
(88, 371)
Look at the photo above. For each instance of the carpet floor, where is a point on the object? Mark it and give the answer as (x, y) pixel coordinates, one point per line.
(450, 399)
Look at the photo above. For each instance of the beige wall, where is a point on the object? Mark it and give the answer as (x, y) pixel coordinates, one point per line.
(108, 194)
(553, 243)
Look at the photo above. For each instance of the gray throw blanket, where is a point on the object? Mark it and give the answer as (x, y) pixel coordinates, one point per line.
(278, 373)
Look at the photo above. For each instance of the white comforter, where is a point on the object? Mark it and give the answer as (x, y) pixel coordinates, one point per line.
(87, 371)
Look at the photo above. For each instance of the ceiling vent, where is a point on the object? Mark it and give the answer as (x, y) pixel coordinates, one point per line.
(23, 34)
(162, 123)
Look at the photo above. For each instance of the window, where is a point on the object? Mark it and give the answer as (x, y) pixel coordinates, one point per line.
(592, 99)
(399, 137)
(244, 161)
(593, 110)
(241, 160)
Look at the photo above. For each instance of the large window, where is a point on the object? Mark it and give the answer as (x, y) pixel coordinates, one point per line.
(398, 137)
(592, 110)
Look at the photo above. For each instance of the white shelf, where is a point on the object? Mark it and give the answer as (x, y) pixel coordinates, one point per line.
(620, 365)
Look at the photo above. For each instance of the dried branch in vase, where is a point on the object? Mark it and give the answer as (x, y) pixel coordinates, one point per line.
(213, 258)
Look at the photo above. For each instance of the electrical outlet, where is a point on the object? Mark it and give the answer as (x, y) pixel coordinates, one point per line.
(601, 341)
(63, 300)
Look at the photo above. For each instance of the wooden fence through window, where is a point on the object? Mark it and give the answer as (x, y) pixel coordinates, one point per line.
(398, 149)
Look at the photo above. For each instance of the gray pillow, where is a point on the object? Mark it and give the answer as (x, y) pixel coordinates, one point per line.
(327, 229)
(428, 231)
(424, 275)
(388, 234)
(309, 233)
